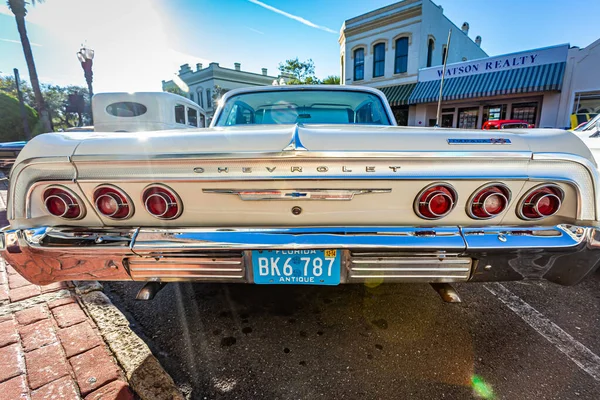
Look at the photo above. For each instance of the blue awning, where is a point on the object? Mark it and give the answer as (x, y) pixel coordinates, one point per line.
(539, 78)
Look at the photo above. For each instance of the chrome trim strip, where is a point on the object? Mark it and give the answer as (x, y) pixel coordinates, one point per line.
(297, 194)
(349, 155)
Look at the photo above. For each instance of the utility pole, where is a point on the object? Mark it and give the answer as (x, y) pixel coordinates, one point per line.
(439, 108)
(23, 112)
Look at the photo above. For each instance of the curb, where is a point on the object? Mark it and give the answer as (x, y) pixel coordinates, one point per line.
(143, 371)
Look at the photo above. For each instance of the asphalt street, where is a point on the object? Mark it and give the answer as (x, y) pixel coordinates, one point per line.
(518, 340)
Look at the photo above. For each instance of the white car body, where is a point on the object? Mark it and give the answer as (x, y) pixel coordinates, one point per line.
(354, 190)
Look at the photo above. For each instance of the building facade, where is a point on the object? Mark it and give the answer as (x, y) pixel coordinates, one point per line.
(580, 95)
(385, 48)
(203, 82)
(524, 86)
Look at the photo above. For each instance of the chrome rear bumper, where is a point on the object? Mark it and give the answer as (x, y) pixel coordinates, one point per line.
(563, 254)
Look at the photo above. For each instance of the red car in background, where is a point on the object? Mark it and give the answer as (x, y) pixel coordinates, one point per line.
(507, 124)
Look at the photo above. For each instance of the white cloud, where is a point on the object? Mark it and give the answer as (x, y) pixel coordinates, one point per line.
(19, 42)
(292, 16)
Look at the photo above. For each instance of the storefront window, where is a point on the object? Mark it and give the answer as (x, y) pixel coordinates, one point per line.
(587, 103)
(401, 115)
(447, 120)
(525, 112)
(494, 113)
(467, 117)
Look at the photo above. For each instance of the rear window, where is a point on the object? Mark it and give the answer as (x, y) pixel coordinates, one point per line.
(126, 109)
(304, 107)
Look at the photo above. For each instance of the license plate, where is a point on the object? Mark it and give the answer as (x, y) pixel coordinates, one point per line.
(296, 267)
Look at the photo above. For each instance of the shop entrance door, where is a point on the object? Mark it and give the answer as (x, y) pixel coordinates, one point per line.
(447, 120)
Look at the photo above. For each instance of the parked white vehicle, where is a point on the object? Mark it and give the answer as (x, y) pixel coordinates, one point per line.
(305, 185)
(145, 111)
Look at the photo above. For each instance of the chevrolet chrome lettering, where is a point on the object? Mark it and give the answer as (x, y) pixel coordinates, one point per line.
(299, 169)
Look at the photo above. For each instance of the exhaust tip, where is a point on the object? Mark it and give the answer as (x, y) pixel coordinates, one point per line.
(446, 292)
(149, 290)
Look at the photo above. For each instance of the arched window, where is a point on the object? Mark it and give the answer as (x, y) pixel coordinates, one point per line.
(208, 98)
(378, 60)
(359, 64)
(401, 61)
(430, 44)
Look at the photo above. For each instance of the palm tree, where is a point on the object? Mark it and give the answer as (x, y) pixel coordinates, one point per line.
(18, 8)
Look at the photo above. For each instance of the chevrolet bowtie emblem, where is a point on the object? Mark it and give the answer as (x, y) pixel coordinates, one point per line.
(298, 194)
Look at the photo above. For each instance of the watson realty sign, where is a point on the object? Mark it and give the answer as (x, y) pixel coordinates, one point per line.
(548, 55)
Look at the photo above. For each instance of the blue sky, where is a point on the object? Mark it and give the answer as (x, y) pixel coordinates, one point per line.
(140, 42)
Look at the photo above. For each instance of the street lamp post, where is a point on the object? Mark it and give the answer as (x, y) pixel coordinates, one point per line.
(86, 57)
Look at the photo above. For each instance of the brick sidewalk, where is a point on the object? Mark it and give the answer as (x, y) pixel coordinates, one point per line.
(49, 347)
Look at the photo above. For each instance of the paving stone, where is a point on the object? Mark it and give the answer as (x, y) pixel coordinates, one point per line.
(117, 390)
(4, 318)
(45, 365)
(53, 287)
(31, 315)
(68, 315)
(17, 281)
(11, 362)
(24, 292)
(93, 369)
(61, 302)
(8, 332)
(63, 388)
(15, 388)
(10, 270)
(3, 279)
(79, 338)
(37, 335)
(4, 293)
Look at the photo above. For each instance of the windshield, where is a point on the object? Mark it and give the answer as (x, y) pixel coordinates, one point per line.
(590, 125)
(303, 106)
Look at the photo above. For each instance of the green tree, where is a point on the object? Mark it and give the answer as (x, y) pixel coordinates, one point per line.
(175, 90)
(217, 93)
(331, 80)
(8, 86)
(11, 123)
(302, 72)
(57, 98)
(18, 9)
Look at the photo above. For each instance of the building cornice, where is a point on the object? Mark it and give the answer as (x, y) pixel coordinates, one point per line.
(384, 21)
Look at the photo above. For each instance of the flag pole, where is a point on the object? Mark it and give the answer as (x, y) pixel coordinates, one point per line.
(439, 108)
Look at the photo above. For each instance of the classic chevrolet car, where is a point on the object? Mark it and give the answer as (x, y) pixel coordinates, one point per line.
(304, 185)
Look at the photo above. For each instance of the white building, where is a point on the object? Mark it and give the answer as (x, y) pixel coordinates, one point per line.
(203, 82)
(385, 48)
(580, 94)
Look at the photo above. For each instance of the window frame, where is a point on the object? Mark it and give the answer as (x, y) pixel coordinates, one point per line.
(359, 63)
(380, 62)
(400, 56)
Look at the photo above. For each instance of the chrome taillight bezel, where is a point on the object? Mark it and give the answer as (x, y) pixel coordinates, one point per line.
(531, 191)
(175, 197)
(418, 203)
(121, 193)
(506, 195)
(73, 198)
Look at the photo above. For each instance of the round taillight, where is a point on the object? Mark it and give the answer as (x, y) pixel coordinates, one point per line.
(435, 201)
(162, 202)
(62, 202)
(488, 201)
(541, 202)
(112, 202)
